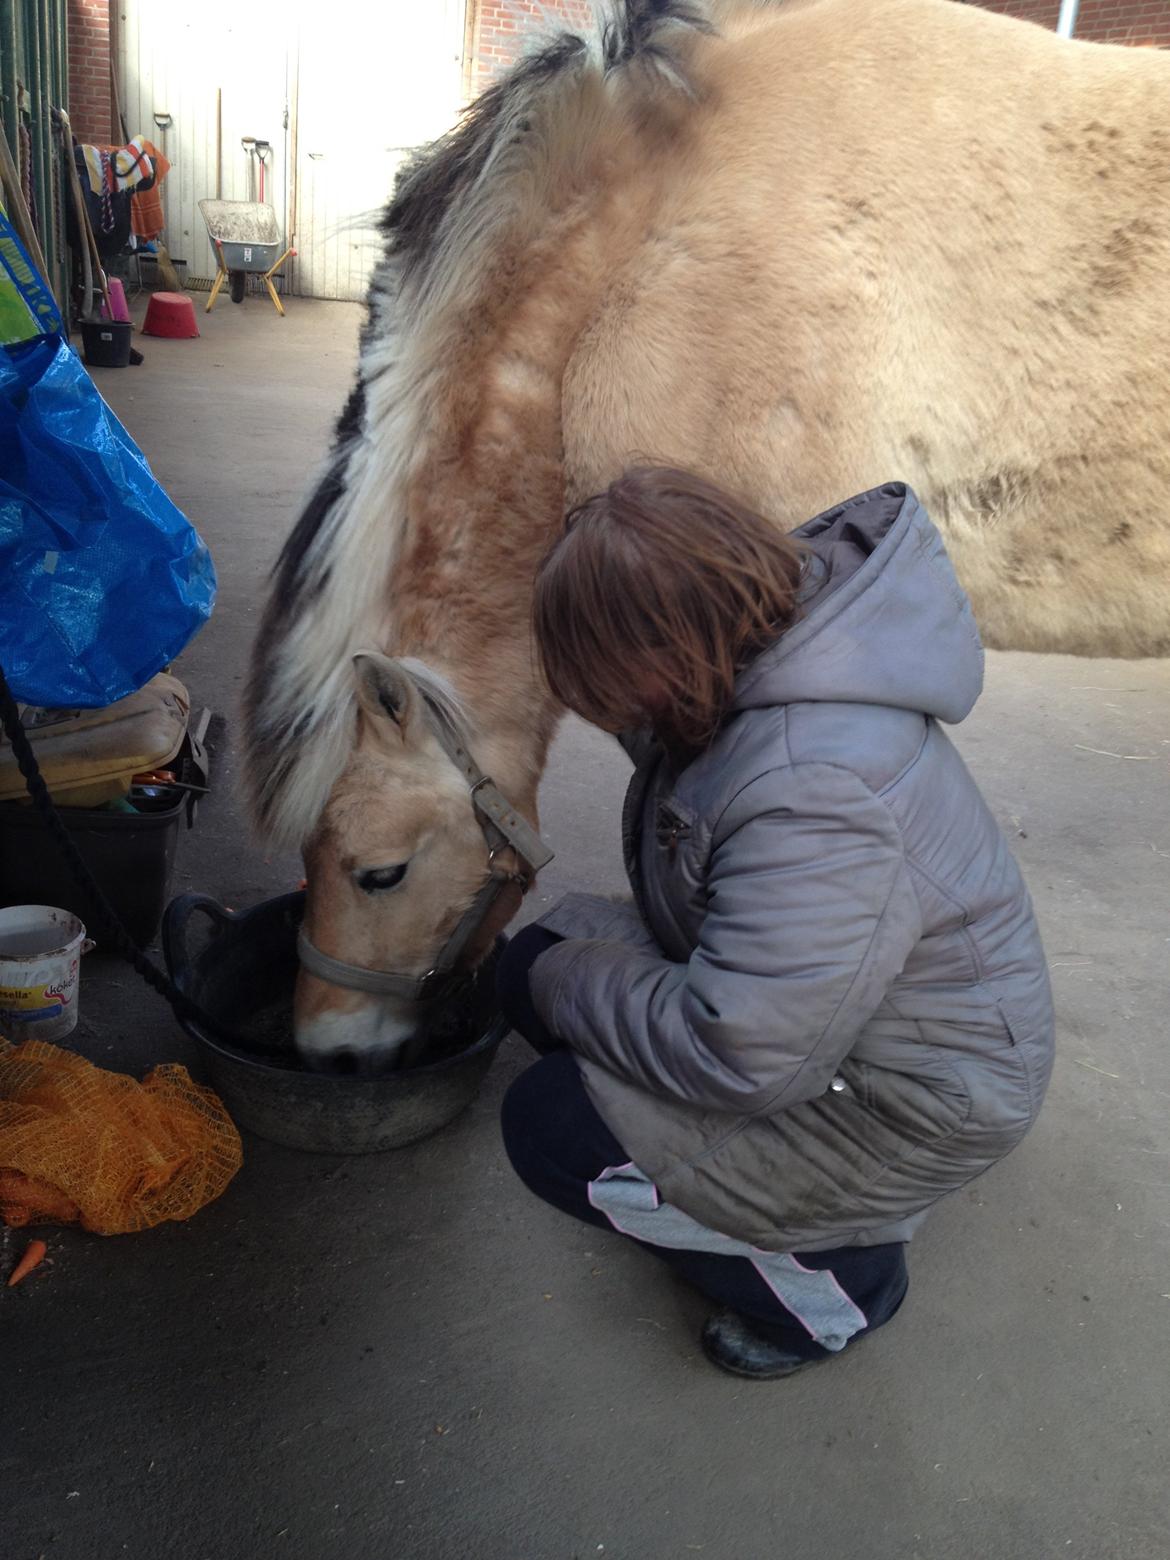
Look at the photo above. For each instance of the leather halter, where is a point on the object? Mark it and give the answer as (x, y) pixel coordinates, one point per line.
(503, 828)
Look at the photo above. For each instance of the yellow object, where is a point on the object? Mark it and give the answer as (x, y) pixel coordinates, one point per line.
(89, 756)
(80, 1144)
(221, 277)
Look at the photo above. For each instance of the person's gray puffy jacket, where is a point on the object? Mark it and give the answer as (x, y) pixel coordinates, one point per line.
(831, 1005)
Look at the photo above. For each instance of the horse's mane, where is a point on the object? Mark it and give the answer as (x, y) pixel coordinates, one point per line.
(451, 201)
(643, 33)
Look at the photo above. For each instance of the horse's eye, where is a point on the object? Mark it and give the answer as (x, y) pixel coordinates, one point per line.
(376, 880)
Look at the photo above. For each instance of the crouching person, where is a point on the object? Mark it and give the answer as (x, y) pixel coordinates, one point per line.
(828, 1005)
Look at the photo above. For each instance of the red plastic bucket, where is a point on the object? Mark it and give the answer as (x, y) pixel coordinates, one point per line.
(170, 314)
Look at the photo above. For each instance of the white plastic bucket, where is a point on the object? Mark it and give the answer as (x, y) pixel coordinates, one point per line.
(40, 956)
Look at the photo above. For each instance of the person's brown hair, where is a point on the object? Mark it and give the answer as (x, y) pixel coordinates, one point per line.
(663, 581)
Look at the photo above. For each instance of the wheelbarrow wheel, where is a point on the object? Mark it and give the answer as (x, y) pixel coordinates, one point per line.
(238, 282)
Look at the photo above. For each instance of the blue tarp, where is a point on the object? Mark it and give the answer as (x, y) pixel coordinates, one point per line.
(102, 580)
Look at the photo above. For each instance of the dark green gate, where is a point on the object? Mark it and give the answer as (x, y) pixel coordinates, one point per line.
(34, 80)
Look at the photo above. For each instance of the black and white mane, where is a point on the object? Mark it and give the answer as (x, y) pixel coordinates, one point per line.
(451, 203)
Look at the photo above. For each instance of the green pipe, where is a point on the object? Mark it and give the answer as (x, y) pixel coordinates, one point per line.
(66, 151)
(60, 34)
(34, 56)
(44, 134)
(9, 72)
(37, 123)
(52, 147)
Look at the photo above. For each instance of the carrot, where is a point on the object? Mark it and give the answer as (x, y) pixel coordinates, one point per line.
(34, 1253)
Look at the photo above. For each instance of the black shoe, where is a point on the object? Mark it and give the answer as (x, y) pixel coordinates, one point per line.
(731, 1343)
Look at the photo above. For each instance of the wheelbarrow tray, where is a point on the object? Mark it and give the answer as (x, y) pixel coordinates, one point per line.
(246, 233)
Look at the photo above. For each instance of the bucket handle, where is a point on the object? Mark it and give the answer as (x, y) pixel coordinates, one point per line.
(176, 920)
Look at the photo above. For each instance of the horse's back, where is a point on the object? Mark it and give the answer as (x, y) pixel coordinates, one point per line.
(907, 238)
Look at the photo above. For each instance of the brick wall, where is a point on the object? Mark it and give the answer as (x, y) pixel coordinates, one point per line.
(89, 70)
(498, 28)
(1099, 21)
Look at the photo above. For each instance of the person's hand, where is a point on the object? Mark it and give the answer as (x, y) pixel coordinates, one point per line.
(513, 991)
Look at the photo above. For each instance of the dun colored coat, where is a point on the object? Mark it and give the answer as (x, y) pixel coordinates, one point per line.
(803, 248)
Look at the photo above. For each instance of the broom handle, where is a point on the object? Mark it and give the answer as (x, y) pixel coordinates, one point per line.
(83, 217)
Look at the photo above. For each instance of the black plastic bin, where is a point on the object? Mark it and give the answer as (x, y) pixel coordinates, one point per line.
(131, 855)
(107, 343)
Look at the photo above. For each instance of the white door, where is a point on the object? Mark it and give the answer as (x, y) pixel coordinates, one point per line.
(368, 90)
(182, 62)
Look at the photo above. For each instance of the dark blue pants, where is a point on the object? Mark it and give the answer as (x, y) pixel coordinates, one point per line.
(558, 1144)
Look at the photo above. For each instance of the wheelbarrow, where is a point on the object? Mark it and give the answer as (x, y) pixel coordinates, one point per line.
(247, 240)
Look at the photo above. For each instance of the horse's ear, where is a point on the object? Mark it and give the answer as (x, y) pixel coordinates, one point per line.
(387, 692)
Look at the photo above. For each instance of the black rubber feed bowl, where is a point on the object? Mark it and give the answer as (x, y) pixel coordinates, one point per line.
(242, 972)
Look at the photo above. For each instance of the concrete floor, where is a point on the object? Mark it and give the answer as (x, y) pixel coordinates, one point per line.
(407, 1358)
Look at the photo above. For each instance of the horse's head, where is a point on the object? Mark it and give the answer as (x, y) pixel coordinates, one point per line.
(414, 865)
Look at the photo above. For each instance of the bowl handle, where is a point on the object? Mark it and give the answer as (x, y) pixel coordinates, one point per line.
(176, 920)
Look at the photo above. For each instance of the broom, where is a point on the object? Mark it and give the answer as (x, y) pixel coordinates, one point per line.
(166, 267)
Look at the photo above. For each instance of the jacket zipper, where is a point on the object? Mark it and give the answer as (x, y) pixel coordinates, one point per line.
(669, 829)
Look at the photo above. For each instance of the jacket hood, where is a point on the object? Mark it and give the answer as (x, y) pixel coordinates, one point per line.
(884, 621)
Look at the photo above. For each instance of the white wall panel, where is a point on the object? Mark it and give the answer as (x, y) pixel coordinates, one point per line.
(347, 89)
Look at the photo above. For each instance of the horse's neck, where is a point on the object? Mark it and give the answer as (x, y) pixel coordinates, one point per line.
(488, 500)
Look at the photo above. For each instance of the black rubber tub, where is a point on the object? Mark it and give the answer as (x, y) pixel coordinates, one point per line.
(240, 967)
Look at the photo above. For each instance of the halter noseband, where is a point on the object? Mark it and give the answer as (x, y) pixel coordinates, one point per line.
(503, 829)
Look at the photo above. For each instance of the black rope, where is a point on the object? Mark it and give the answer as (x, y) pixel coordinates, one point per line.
(112, 926)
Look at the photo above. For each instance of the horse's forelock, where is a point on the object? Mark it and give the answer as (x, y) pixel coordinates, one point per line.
(306, 758)
(441, 696)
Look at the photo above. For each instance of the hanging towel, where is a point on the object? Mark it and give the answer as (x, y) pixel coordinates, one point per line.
(146, 207)
(114, 169)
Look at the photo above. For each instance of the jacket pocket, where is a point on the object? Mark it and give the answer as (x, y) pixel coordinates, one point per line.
(1023, 1026)
(1030, 1030)
(914, 1110)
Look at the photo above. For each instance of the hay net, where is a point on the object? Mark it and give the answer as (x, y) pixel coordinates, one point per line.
(81, 1144)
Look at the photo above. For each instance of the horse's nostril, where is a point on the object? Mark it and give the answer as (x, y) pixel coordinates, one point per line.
(344, 1062)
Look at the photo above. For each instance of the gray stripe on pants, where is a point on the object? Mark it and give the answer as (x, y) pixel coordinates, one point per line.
(630, 1201)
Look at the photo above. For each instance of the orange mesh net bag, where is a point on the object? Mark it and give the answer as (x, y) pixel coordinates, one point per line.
(82, 1145)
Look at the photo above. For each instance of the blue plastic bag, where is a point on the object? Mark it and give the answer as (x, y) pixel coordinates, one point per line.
(102, 580)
